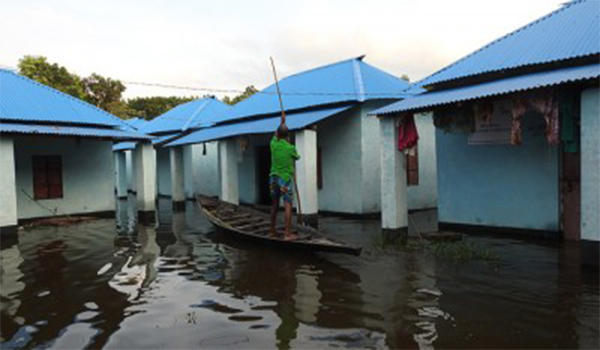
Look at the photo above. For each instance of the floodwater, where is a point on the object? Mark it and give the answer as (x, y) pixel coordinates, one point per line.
(115, 284)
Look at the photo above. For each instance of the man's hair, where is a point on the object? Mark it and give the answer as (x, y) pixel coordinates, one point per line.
(282, 132)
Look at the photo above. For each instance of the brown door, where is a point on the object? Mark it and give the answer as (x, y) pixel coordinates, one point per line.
(571, 195)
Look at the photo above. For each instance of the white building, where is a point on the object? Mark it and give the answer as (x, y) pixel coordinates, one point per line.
(327, 107)
(187, 163)
(55, 153)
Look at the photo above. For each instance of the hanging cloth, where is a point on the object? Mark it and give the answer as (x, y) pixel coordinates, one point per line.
(548, 107)
(407, 133)
(519, 107)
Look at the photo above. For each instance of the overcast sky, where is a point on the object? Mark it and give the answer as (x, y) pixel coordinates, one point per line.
(226, 44)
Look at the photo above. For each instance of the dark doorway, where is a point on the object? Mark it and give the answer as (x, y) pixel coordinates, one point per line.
(263, 168)
(571, 196)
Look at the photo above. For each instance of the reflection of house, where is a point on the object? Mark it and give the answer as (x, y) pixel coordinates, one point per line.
(197, 161)
(55, 152)
(517, 131)
(339, 146)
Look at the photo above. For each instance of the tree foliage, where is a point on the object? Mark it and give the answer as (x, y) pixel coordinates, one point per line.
(101, 91)
(104, 93)
(107, 93)
(39, 69)
(249, 91)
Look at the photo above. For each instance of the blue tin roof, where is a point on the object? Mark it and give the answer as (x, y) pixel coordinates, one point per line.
(25, 100)
(188, 115)
(124, 146)
(136, 123)
(56, 130)
(261, 126)
(569, 32)
(493, 88)
(346, 81)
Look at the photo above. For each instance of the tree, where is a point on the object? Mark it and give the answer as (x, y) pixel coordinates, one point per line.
(102, 92)
(39, 69)
(249, 91)
(151, 107)
(405, 77)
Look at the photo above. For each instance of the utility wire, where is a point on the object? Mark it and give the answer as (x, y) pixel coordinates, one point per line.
(400, 94)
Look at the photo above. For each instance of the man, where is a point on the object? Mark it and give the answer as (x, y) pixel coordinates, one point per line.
(283, 155)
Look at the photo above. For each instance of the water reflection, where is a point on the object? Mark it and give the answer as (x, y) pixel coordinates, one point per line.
(179, 284)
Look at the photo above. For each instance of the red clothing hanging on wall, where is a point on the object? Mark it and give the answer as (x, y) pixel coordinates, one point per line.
(407, 133)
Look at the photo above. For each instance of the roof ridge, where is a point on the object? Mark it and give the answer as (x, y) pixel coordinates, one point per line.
(357, 58)
(58, 92)
(502, 38)
(200, 109)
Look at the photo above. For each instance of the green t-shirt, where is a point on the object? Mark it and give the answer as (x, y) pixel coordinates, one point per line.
(283, 155)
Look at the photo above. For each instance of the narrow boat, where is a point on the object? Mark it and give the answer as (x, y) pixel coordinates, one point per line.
(253, 225)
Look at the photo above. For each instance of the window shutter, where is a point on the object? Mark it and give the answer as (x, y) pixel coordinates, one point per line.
(55, 185)
(40, 181)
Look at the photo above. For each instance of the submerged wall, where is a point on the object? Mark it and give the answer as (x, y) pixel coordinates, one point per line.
(590, 164)
(87, 175)
(499, 185)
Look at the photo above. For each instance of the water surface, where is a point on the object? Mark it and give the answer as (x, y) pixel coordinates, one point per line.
(112, 283)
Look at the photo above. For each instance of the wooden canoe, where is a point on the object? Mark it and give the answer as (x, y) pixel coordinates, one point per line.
(253, 225)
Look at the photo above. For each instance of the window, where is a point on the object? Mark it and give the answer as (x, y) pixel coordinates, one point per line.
(47, 177)
(412, 168)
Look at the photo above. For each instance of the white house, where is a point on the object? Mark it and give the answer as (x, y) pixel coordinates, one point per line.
(188, 163)
(518, 146)
(327, 107)
(55, 153)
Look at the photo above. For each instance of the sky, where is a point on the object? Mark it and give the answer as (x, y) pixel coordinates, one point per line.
(226, 44)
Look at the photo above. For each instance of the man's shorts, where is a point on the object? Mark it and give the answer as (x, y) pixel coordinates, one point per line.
(281, 189)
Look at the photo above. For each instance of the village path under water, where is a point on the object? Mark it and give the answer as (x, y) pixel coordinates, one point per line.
(113, 283)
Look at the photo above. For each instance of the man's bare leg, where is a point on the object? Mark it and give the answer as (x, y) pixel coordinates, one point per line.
(274, 208)
(288, 222)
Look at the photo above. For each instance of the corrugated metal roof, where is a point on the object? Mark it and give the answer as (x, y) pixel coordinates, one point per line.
(23, 99)
(345, 81)
(569, 32)
(136, 123)
(164, 138)
(498, 87)
(124, 146)
(116, 134)
(192, 114)
(261, 126)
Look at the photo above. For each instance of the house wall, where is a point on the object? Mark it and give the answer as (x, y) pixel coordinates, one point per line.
(8, 195)
(370, 160)
(590, 164)
(424, 195)
(206, 169)
(340, 140)
(88, 176)
(499, 185)
(163, 176)
(130, 171)
(247, 167)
